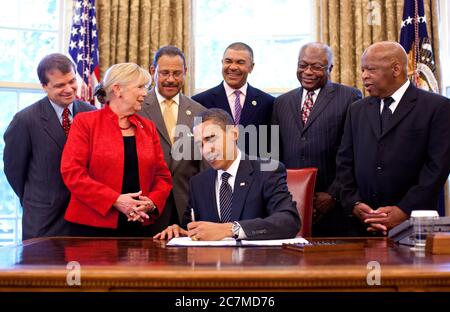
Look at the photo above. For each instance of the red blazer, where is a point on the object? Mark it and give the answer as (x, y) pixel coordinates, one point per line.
(92, 167)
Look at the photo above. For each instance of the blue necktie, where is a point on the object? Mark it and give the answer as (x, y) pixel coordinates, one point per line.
(225, 198)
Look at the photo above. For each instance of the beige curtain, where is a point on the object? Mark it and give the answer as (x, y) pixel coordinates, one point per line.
(132, 30)
(350, 26)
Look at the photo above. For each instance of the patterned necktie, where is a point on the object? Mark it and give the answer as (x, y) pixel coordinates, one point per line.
(66, 121)
(225, 198)
(307, 106)
(237, 107)
(386, 113)
(169, 119)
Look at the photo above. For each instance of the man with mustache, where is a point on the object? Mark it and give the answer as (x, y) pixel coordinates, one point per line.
(173, 114)
(34, 141)
(247, 105)
(395, 152)
(311, 120)
(237, 197)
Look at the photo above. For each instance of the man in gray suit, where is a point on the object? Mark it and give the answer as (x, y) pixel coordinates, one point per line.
(311, 120)
(34, 142)
(173, 114)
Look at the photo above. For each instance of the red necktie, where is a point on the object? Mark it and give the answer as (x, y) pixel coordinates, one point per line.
(307, 106)
(66, 121)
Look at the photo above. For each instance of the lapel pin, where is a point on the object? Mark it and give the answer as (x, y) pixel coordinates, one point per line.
(242, 184)
(254, 103)
(188, 112)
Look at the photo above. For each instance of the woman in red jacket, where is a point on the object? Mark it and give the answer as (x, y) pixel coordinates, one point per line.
(113, 164)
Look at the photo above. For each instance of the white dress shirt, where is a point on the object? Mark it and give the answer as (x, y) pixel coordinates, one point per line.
(397, 96)
(314, 97)
(59, 111)
(162, 106)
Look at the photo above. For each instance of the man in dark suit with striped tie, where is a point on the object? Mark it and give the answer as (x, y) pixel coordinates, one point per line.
(248, 105)
(311, 120)
(34, 141)
(237, 197)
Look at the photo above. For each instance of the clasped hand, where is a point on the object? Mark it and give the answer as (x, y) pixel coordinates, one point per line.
(134, 209)
(381, 219)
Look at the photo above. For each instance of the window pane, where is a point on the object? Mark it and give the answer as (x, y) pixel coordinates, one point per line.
(34, 45)
(274, 29)
(7, 231)
(28, 98)
(40, 14)
(8, 46)
(8, 107)
(9, 14)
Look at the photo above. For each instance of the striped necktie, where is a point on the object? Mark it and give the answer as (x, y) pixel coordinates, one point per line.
(237, 107)
(225, 198)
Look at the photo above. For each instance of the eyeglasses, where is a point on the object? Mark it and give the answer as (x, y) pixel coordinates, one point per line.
(166, 74)
(313, 67)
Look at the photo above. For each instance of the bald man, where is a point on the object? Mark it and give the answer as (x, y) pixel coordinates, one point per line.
(313, 140)
(395, 152)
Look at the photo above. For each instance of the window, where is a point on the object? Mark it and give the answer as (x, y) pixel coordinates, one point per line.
(29, 29)
(275, 29)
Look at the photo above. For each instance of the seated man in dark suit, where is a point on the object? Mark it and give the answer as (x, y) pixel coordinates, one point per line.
(236, 197)
(251, 107)
(395, 152)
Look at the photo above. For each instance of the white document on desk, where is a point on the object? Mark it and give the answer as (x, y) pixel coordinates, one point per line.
(230, 242)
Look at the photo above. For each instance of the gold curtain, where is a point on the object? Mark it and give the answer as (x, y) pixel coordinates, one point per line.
(350, 26)
(132, 30)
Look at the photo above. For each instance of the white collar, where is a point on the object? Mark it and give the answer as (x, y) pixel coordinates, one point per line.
(232, 170)
(229, 90)
(160, 98)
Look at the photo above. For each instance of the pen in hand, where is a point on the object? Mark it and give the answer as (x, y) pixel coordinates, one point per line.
(192, 215)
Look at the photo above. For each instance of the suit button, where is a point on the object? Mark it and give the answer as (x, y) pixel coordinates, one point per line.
(379, 168)
(303, 138)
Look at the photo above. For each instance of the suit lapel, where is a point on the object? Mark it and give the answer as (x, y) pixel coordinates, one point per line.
(373, 115)
(221, 99)
(210, 195)
(322, 101)
(184, 118)
(250, 105)
(51, 123)
(406, 104)
(242, 184)
(153, 111)
(295, 103)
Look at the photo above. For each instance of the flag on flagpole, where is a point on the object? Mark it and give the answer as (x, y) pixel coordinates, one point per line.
(83, 48)
(414, 39)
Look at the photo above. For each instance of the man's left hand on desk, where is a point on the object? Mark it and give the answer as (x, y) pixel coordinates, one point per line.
(203, 230)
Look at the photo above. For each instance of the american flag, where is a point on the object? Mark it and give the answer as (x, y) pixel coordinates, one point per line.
(83, 48)
(414, 39)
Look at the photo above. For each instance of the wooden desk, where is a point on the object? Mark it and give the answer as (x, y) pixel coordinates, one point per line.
(144, 264)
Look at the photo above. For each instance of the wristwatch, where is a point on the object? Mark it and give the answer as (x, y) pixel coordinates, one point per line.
(235, 229)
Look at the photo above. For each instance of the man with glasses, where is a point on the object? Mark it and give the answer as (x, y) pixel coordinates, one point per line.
(173, 114)
(311, 120)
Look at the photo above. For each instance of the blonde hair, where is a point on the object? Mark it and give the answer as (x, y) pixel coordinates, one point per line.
(125, 74)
